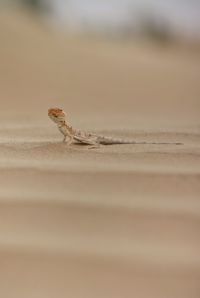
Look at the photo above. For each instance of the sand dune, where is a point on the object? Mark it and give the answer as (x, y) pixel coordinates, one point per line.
(102, 222)
(118, 221)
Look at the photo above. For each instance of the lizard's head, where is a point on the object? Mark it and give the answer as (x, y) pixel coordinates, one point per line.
(56, 115)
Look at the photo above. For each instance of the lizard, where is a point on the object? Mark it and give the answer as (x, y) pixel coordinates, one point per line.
(59, 117)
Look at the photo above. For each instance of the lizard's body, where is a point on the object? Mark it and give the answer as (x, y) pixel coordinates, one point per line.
(58, 116)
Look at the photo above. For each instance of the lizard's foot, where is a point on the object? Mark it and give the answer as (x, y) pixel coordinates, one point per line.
(69, 142)
(64, 139)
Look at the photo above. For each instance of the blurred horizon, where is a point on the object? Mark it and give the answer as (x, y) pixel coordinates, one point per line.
(180, 19)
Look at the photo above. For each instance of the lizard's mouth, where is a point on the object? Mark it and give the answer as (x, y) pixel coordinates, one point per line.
(57, 119)
(53, 118)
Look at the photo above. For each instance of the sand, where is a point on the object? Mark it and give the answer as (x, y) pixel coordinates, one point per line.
(118, 221)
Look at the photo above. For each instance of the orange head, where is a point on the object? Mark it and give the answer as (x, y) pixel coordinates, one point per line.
(56, 115)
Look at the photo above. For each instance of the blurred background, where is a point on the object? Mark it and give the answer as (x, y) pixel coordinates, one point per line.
(118, 221)
(143, 53)
(174, 18)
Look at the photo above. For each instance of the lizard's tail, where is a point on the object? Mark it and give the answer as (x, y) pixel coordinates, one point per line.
(112, 141)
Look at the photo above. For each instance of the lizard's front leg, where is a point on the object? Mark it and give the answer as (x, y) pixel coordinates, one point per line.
(70, 140)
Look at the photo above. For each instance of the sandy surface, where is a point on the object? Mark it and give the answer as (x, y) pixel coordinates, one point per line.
(119, 221)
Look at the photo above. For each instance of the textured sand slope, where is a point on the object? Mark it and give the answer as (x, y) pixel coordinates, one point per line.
(100, 222)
